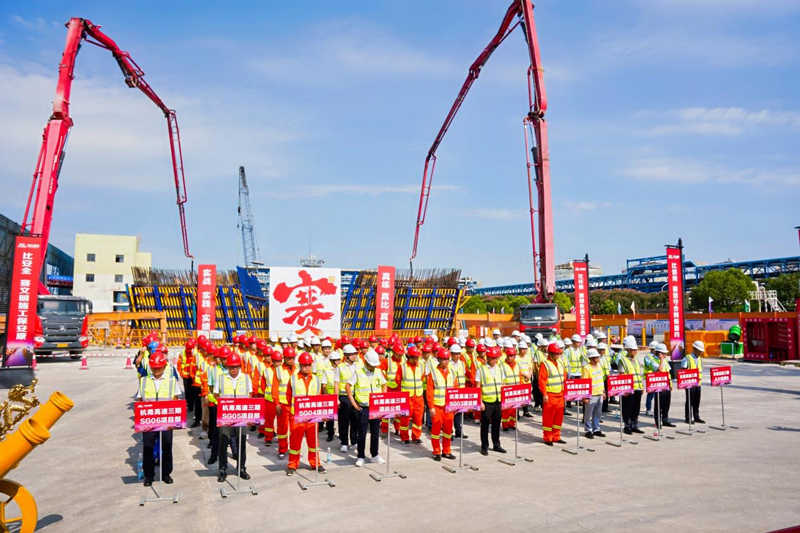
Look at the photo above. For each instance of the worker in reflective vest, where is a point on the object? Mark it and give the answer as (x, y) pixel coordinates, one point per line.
(539, 356)
(367, 380)
(304, 383)
(186, 370)
(214, 373)
(321, 366)
(631, 404)
(269, 364)
(650, 361)
(605, 364)
(491, 382)
(392, 385)
(664, 399)
(349, 418)
(694, 360)
(283, 374)
(552, 375)
(410, 375)
(439, 380)
(511, 376)
(460, 378)
(158, 386)
(233, 384)
(593, 406)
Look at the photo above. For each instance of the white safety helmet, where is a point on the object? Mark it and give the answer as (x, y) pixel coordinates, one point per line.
(576, 338)
(589, 337)
(541, 341)
(273, 338)
(300, 344)
(591, 352)
(522, 345)
(496, 332)
(434, 338)
(591, 343)
(349, 349)
(601, 336)
(315, 341)
(652, 345)
(335, 355)
(661, 348)
(698, 345)
(326, 344)
(284, 340)
(601, 346)
(567, 342)
(629, 343)
(508, 344)
(560, 344)
(292, 337)
(456, 348)
(372, 358)
(515, 333)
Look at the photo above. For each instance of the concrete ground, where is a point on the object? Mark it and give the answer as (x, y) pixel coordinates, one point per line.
(84, 477)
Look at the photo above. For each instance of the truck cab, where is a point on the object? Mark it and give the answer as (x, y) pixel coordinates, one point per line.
(63, 325)
(542, 318)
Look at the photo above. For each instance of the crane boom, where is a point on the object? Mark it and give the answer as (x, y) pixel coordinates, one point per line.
(56, 132)
(543, 260)
(252, 255)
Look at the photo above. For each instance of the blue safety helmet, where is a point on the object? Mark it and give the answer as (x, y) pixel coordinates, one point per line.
(152, 347)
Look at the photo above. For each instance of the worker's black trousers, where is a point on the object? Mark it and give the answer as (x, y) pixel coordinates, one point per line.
(226, 436)
(695, 397)
(661, 407)
(490, 416)
(149, 445)
(631, 405)
(193, 402)
(537, 392)
(213, 430)
(605, 399)
(349, 422)
(374, 428)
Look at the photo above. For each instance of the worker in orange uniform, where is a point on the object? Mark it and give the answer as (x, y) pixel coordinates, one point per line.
(187, 369)
(259, 379)
(410, 377)
(392, 385)
(460, 376)
(283, 375)
(271, 401)
(304, 383)
(552, 374)
(439, 380)
(511, 376)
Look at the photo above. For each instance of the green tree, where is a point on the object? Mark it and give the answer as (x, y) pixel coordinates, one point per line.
(474, 304)
(563, 301)
(728, 288)
(788, 287)
(607, 308)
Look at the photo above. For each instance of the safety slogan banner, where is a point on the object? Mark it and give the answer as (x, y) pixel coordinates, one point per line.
(305, 300)
(675, 299)
(388, 405)
(384, 299)
(620, 385)
(656, 381)
(206, 298)
(22, 318)
(159, 416)
(688, 378)
(720, 376)
(462, 400)
(577, 389)
(238, 412)
(582, 320)
(515, 396)
(315, 408)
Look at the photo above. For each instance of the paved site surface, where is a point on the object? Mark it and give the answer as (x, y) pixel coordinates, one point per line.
(84, 477)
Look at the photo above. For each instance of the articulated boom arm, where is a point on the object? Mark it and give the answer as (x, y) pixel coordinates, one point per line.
(56, 132)
(523, 11)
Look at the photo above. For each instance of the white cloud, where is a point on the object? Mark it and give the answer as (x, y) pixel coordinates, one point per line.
(688, 171)
(38, 24)
(723, 121)
(361, 189)
(587, 205)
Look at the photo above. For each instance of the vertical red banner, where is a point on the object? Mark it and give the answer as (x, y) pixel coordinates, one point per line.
(384, 299)
(675, 299)
(206, 297)
(582, 319)
(21, 319)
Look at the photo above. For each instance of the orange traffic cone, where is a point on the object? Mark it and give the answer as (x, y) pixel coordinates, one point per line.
(118, 346)
(33, 362)
(84, 363)
(128, 365)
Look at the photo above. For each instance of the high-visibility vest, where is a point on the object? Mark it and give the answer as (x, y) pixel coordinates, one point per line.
(391, 372)
(321, 364)
(283, 377)
(664, 366)
(596, 374)
(345, 372)
(412, 379)
(215, 373)
(631, 366)
(490, 387)
(606, 364)
(229, 390)
(510, 375)
(183, 364)
(268, 377)
(330, 378)
(555, 376)
(166, 388)
(440, 384)
(574, 360)
(650, 363)
(525, 364)
(299, 387)
(691, 362)
(459, 373)
(366, 385)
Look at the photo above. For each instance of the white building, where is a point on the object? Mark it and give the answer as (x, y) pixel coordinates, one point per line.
(566, 272)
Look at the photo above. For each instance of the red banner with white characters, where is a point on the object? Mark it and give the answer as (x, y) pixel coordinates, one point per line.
(206, 297)
(582, 320)
(388, 404)
(577, 389)
(159, 416)
(656, 382)
(688, 378)
(675, 300)
(384, 299)
(315, 408)
(620, 385)
(720, 376)
(238, 412)
(462, 400)
(515, 396)
(22, 313)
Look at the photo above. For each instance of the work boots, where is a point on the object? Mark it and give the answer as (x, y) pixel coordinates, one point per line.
(223, 475)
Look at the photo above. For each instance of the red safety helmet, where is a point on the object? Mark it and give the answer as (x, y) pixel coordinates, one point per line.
(442, 353)
(252, 339)
(380, 350)
(511, 351)
(190, 344)
(261, 345)
(364, 344)
(436, 346)
(145, 341)
(451, 341)
(289, 352)
(161, 348)
(384, 342)
(373, 338)
(470, 343)
(223, 352)
(399, 349)
(494, 352)
(413, 351)
(417, 339)
(276, 355)
(305, 359)
(481, 348)
(233, 359)
(345, 340)
(158, 360)
(268, 350)
(426, 348)
(554, 348)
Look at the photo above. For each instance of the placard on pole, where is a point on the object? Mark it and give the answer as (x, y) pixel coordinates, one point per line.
(689, 378)
(514, 397)
(619, 386)
(577, 390)
(315, 409)
(461, 401)
(239, 413)
(720, 377)
(171, 414)
(387, 405)
(657, 382)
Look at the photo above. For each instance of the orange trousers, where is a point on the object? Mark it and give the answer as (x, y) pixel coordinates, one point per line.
(553, 416)
(300, 430)
(441, 430)
(283, 429)
(508, 418)
(417, 408)
(268, 429)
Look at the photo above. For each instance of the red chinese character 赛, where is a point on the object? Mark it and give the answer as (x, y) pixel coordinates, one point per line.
(309, 310)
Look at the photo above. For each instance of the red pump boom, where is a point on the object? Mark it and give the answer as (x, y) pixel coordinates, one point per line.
(54, 139)
(543, 259)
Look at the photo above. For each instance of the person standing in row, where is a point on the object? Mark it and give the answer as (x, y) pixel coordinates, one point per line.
(552, 375)
(627, 363)
(661, 413)
(490, 378)
(233, 384)
(461, 375)
(304, 383)
(691, 361)
(593, 406)
(283, 374)
(650, 361)
(439, 380)
(367, 380)
(157, 386)
(349, 420)
(410, 375)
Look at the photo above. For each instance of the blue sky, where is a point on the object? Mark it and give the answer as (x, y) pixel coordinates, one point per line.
(667, 119)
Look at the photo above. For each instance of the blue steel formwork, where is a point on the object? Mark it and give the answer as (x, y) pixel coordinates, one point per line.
(649, 274)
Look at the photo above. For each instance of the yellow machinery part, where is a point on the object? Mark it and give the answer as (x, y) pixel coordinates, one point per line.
(12, 492)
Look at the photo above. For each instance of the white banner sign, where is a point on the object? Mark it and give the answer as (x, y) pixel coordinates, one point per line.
(305, 300)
